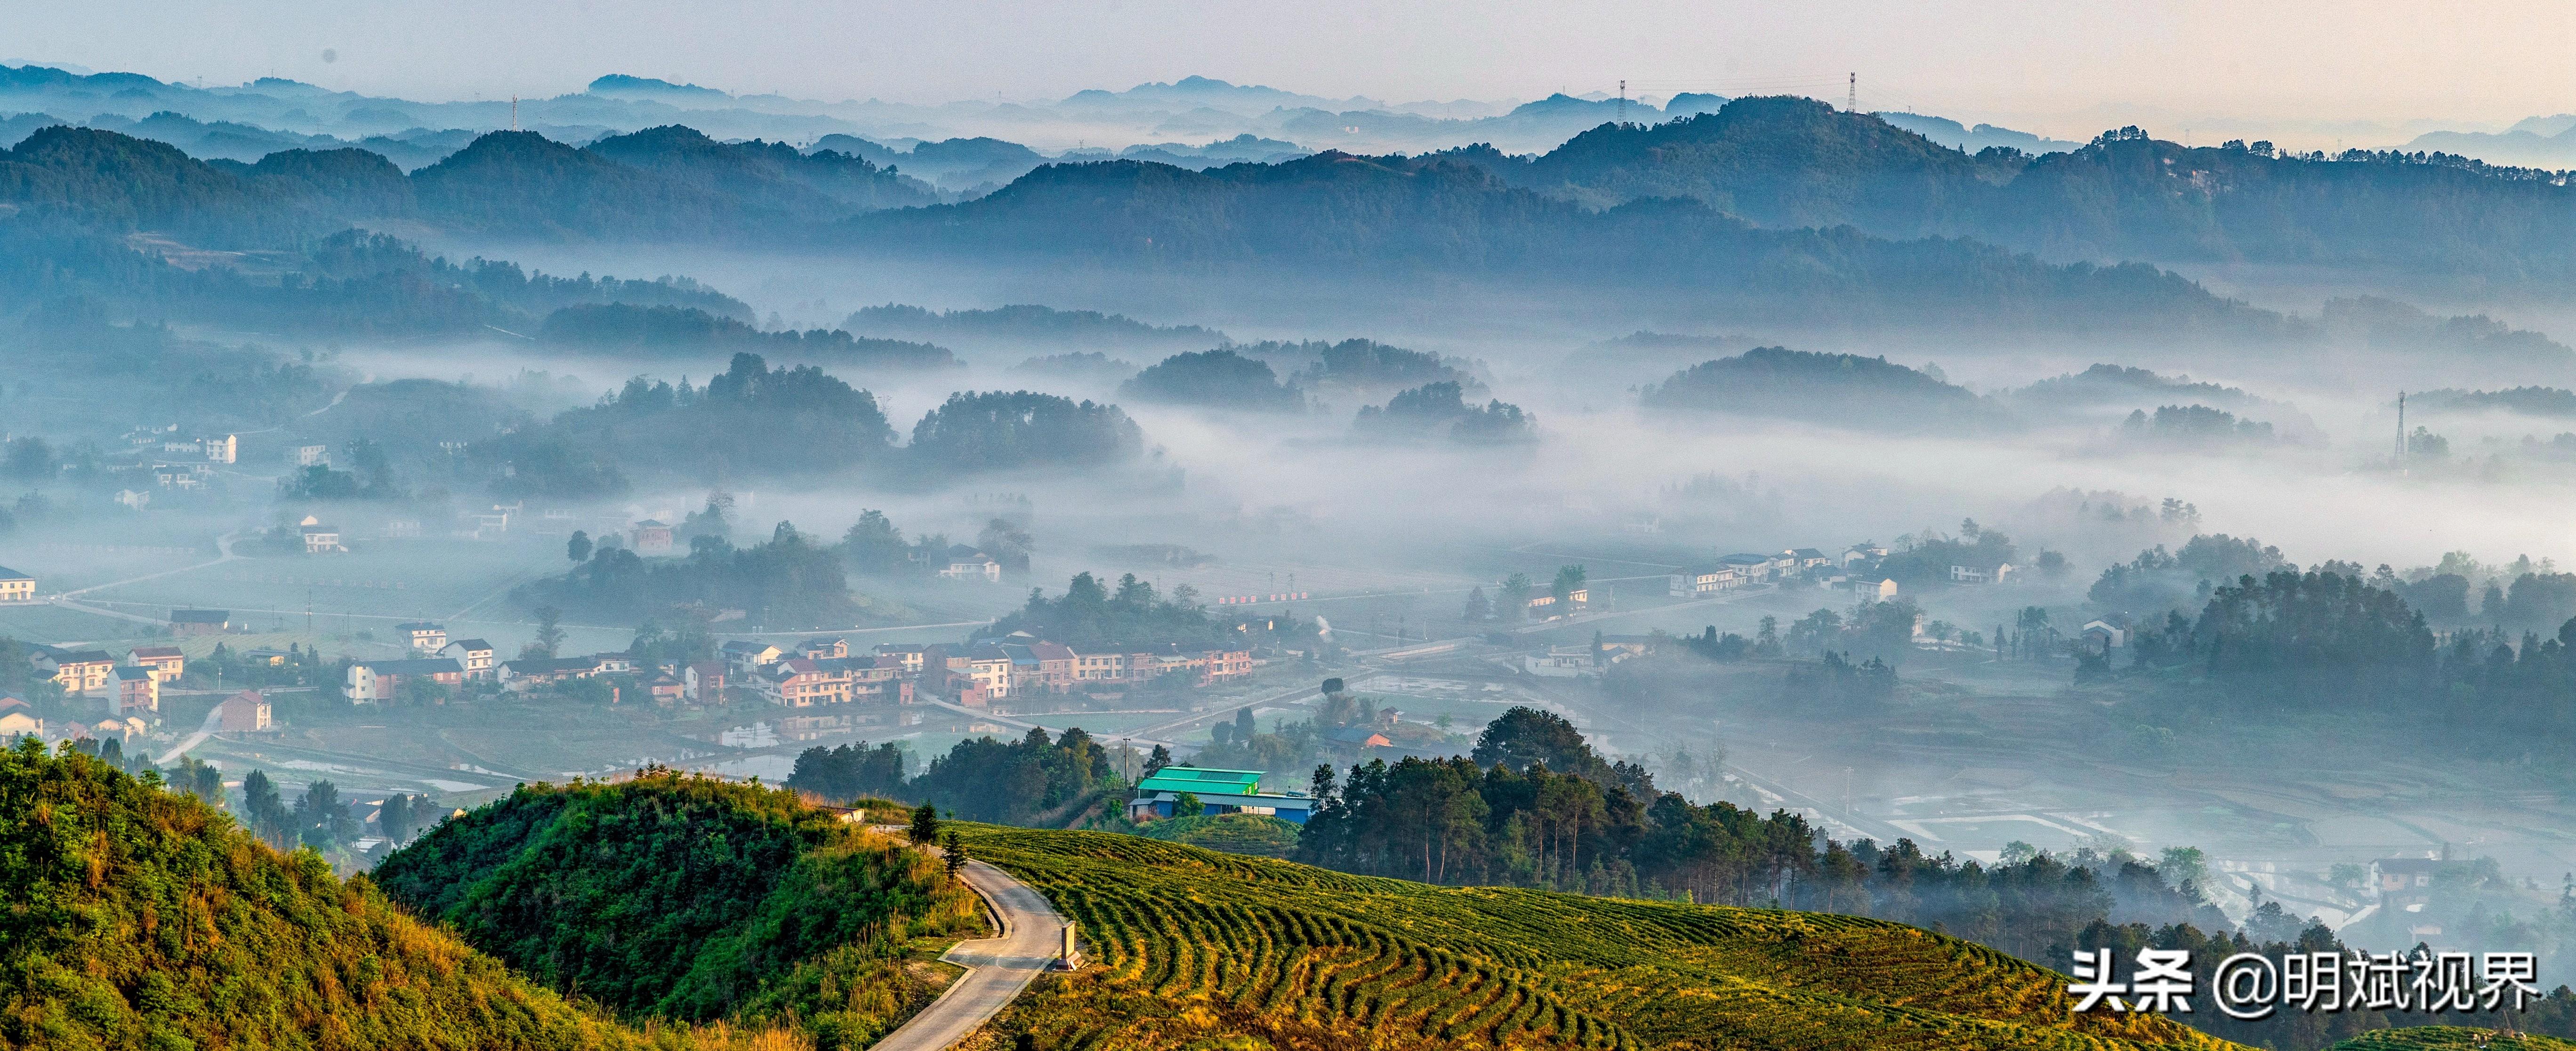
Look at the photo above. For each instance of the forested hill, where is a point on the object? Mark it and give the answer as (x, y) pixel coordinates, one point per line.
(690, 899)
(669, 183)
(1792, 162)
(1442, 217)
(142, 918)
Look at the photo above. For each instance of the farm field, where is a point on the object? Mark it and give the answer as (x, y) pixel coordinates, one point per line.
(1192, 948)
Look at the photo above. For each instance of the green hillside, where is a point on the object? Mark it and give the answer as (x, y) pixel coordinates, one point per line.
(692, 900)
(139, 918)
(1196, 949)
(2450, 1038)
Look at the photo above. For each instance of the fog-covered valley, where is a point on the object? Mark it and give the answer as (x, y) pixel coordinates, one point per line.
(1822, 477)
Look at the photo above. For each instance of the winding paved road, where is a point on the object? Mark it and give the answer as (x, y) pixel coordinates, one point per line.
(997, 968)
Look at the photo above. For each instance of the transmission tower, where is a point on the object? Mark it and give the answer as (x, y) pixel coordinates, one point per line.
(1851, 98)
(1623, 103)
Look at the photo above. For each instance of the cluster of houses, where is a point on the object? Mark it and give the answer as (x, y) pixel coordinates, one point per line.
(171, 461)
(126, 693)
(1856, 571)
(975, 674)
(805, 674)
(1852, 572)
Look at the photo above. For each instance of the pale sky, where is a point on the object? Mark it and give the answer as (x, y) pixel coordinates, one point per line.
(2070, 67)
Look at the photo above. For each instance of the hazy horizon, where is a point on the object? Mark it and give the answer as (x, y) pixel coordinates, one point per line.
(2183, 70)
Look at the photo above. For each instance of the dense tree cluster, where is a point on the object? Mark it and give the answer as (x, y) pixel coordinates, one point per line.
(1092, 616)
(850, 771)
(2158, 580)
(1217, 378)
(748, 419)
(669, 331)
(1022, 322)
(1843, 389)
(1441, 410)
(789, 581)
(994, 430)
(2194, 425)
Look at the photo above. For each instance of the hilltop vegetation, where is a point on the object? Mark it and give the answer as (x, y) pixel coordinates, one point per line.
(690, 899)
(1796, 162)
(1027, 323)
(1249, 949)
(667, 331)
(1840, 389)
(1217, 378)
(141, 918)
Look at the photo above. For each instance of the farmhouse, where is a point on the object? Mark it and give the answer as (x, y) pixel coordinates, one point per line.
(1219, 791)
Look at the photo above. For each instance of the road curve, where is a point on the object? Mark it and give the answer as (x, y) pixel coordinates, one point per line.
(997, 968)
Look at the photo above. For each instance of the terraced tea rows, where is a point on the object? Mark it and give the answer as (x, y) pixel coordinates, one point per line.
(1191, 945)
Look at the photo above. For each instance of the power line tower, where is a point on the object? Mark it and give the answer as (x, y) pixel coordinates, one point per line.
(1851, 96)
(1623, 102)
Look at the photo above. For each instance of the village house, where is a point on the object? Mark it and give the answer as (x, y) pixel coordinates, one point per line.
(666, 688)
(988, 667)
(131, 692)
(312, 456)
(613, 663)
(473, 655)
(801, 682)
(1055, 663)
(1544, 607)
(79, 671)
(823, 649)
(2100, 637)
(704, 680)
(186, 622)
(1218, 792)
(1802, 559)
(649, 537)
(1702, 582)
(1978, 575)
(244, 712)
(528, 673)
(18, 719)
(226, 449)
(166, 662)
(908, 654)
(743, 658)
(1100, 667)
(1866, 551)
(134, 499)
(16, 586)
(1750, 568)
(1357, 738)
(879, 679)
(319, 538)
(422, 635)
(969, 564)
(1870, 587)
(383, 680)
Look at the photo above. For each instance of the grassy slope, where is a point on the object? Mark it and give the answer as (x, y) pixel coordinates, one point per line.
(136, 918)
(692, 900)
(1196, 949)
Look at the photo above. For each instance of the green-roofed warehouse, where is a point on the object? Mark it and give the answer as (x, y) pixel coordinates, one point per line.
(1220, 791)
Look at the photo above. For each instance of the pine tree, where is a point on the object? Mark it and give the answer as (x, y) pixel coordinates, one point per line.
(925, 825)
